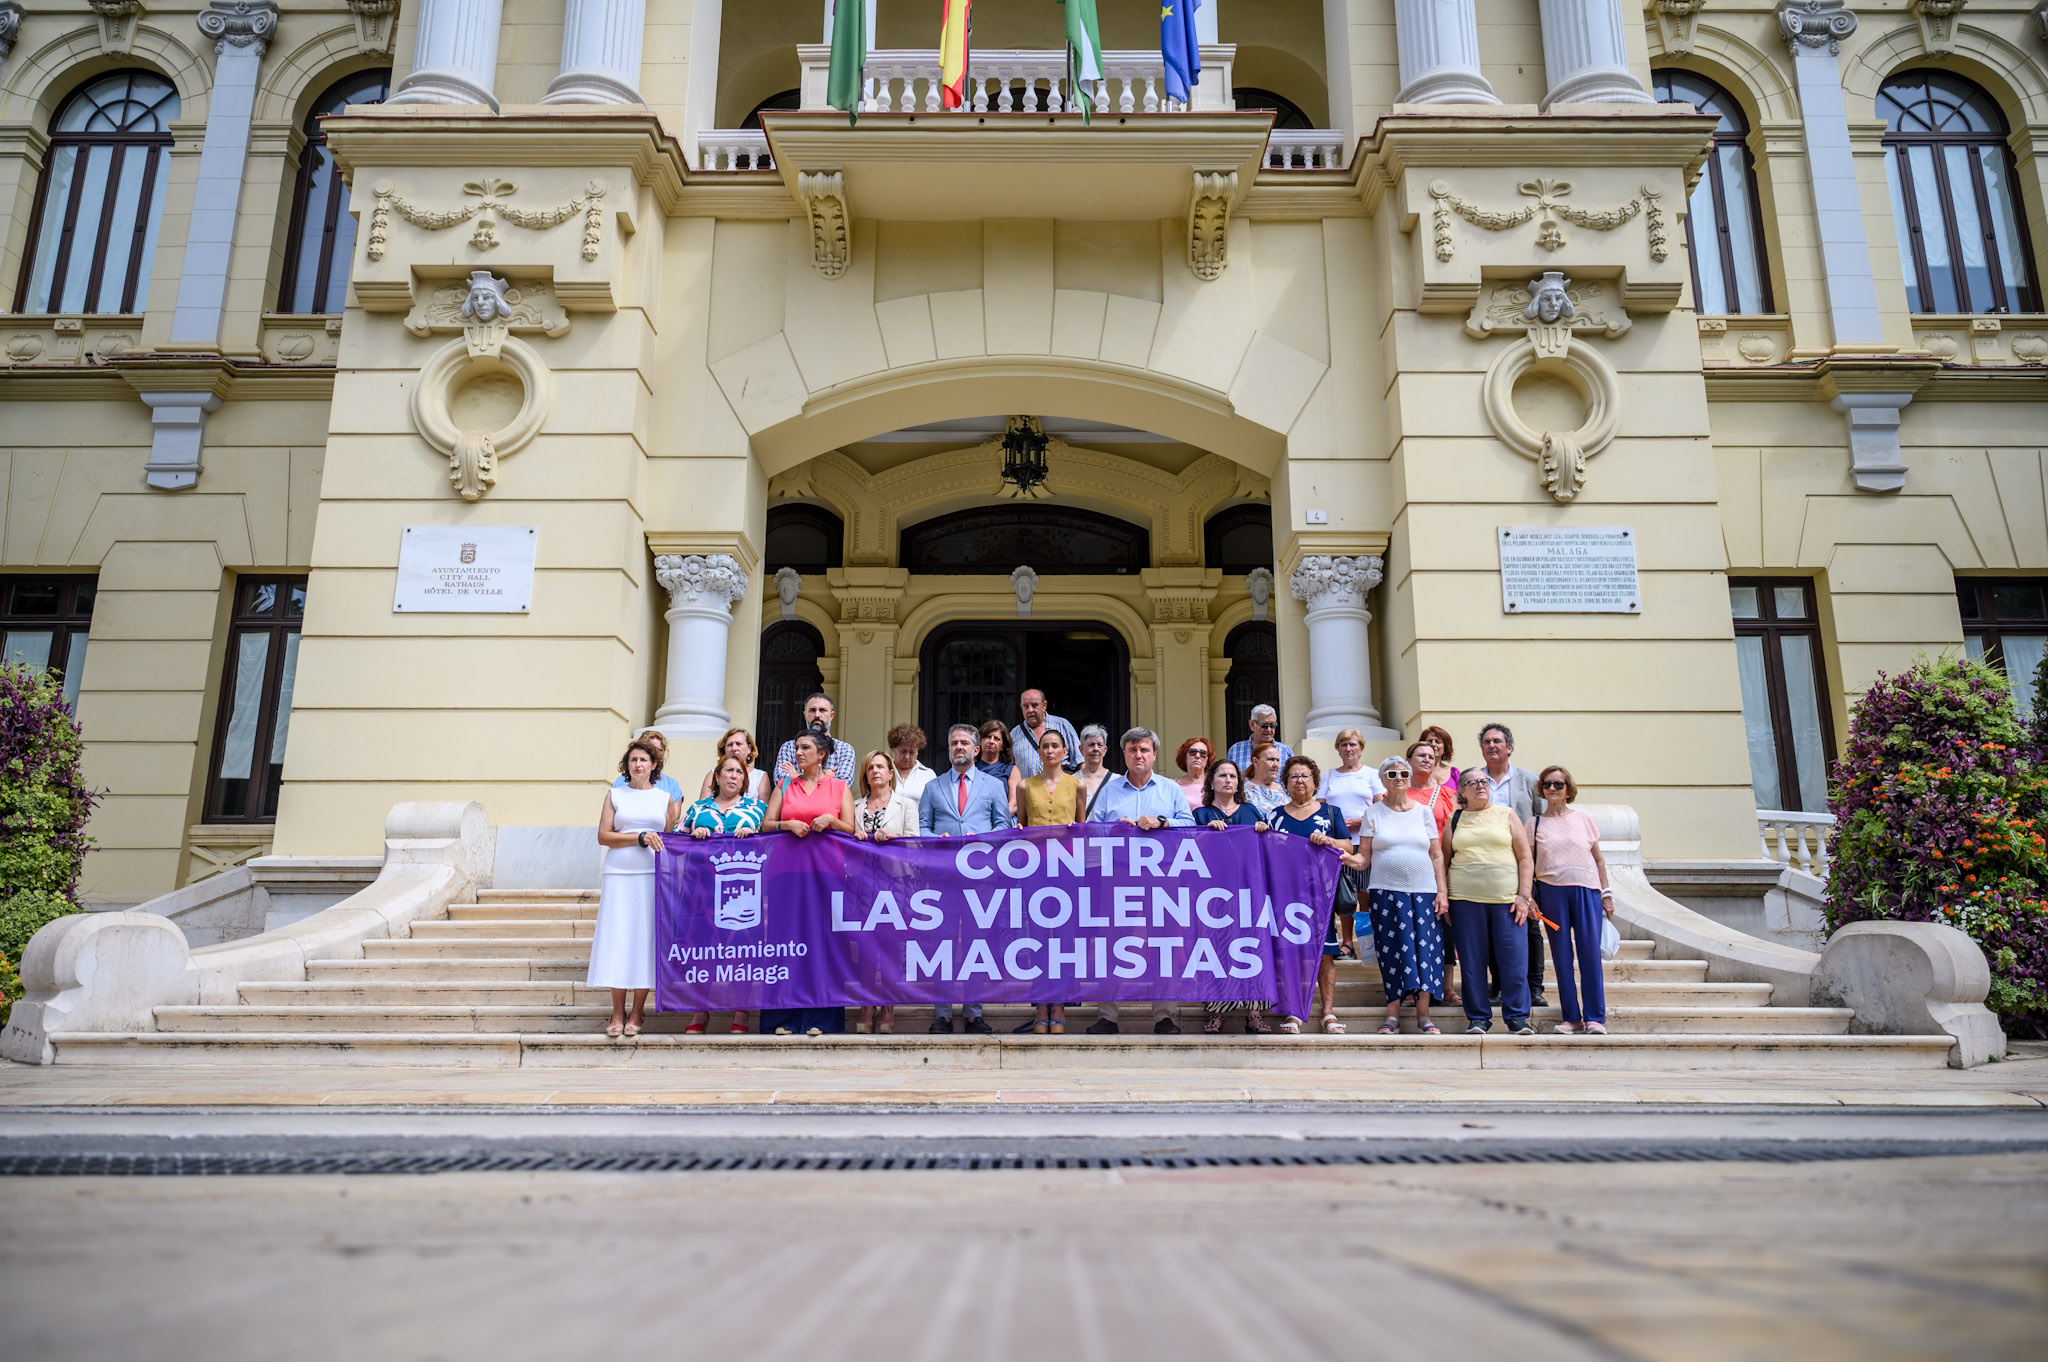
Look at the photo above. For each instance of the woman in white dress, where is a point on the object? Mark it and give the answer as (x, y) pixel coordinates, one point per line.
(737, 742)
(629, 828)
(879, 814)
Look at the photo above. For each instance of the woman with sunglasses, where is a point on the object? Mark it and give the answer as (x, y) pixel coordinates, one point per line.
(1322, 823)
(1194, 757)
(1407, 895)
(1222, 807)
(1572, 895)
(1488, 878)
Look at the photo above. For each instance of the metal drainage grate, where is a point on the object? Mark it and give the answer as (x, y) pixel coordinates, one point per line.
(388, 1162)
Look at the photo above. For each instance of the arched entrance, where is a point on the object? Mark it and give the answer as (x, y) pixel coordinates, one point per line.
(789, 675)
(974, 670)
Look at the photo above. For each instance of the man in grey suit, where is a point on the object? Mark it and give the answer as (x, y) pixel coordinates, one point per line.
(1515, 787)
(963, 802)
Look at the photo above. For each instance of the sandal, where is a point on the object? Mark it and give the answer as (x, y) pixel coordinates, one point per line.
(738, 1028)
(1291, 1027)
(1390, 1026)
(1213, 1025)
(1255, 1025)
(694, 1029)
(632, 1029)
(1331, 1026)
(1041, 1026)
(1429, 1028)
(1057, 1026)
(614, 1029)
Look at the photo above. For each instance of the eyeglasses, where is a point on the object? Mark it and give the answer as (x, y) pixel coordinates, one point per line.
(1398, 773)
(1553, 785)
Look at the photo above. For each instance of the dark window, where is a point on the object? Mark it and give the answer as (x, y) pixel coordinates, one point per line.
(101, 197)
(969, 673)
(788, 99)
(2005, 623)
(323, 234)
(1724, 225)
(1951, 173)
(789, 676)
(807, 538)
(1254, 679)
(1286, 113)
(1239, 539)
(1052, 540)
(256, 700)
(1784, 692)
(44, 622)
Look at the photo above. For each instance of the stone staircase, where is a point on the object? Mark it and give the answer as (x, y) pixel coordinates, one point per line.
(499, 982)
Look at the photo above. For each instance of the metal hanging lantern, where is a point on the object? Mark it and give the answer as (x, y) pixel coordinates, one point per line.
(1024, 466)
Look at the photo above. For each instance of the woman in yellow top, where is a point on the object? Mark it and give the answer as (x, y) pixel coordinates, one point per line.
(1490, 867)
(1052, 798)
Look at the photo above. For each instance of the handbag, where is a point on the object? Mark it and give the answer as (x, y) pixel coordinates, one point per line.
(1610, 939)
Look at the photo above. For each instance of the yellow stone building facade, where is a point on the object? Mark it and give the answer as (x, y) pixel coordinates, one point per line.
(1758, 284)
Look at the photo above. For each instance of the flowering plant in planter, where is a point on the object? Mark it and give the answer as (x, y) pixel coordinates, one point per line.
(1941, 812)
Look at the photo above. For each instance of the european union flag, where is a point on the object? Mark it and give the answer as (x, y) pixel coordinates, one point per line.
(1179, 45)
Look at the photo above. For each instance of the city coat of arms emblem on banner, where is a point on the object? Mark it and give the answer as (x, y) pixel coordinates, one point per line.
(736, 890)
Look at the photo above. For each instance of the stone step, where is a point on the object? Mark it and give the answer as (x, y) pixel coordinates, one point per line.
(521, 912)
(1037, 1061)
(589, 1017)
(506, 929)
(536, 896)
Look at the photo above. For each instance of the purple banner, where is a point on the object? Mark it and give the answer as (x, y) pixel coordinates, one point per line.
(1094, 912)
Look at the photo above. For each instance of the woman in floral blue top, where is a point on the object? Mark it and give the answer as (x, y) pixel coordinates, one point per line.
(727, 813)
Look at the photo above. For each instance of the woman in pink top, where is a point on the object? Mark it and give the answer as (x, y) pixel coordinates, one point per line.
(1572, 895)
(813, 800)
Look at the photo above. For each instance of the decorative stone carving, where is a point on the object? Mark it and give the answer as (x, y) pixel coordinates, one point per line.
(2041, 20)
(1259, 581)
(788, 585)
(473, 453)
(2030, 347)
(239, 23)
(1757, 347)
(295, 347)
(1550, 207)
(1938, 20)
(24, 348)
(1209, 223)
(1322, 580)
(824, 196)
(10, 26)
(702, 590)
(1676, 20)
(1549, 314)
(513, 305)
(1549, 309)
(1024, 581)
(716, 580)
(1815, 23)
(118, 21)
(376, 24)
(492, 203)
(1339, 645)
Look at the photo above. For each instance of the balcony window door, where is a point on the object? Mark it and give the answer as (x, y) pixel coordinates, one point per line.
(1784, 702)
(256, 700)
(2005, 624)
(44, 623)
(323, 233)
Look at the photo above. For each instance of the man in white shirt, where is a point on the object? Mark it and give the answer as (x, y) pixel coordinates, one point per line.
(1265, 727)
(912, 775)
(1514, 787)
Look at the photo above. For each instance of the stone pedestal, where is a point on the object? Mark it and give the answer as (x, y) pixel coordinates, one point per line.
(1439, 46)
(702, 590)
(600, 53)
(455, 60)
(1339, 646)
(1585, 54)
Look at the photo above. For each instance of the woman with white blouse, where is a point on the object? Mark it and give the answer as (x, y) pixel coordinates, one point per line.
(1407, 895)
(879, 814)
(629, 828)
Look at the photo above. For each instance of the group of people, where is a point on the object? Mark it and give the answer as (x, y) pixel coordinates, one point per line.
(1480, 865)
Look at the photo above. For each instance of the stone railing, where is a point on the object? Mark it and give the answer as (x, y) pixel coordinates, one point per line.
(1305, 149)
(1799, 840)
(734, 149)
(1017, 80)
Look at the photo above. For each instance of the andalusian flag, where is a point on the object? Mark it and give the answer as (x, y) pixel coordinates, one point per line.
(1084, 54)
(953, 40)
(852, 35)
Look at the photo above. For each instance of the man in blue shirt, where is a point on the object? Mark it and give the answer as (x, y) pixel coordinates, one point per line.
(1265, 727)
(963, 802)
(1025, 737)
(1147, 801)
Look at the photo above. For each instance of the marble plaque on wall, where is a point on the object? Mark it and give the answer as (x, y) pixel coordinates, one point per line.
(458, 569)
(1582, 570)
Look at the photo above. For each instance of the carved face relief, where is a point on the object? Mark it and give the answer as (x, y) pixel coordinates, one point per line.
(1549, 302)
(486, 301)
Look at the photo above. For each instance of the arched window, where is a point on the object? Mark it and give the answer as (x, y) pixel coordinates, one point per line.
(1254, 678)
(1951, 173)
(1286, 113)
(807, 538)
(1052, 539)
(1238, 539)
(323, 235)
(1724, 225)
(789, 676)
(787, 99)
(101, 197)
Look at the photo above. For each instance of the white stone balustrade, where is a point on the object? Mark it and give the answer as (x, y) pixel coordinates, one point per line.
(734, 149)
(1305, 149)
(1799, 840)
(1012, 80)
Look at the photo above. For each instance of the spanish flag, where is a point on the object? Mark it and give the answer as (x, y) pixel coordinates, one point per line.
(953, 37)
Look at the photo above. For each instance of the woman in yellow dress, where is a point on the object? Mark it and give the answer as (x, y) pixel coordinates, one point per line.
(1053, 798)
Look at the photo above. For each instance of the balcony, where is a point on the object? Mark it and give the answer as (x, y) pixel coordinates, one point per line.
(1006, 83)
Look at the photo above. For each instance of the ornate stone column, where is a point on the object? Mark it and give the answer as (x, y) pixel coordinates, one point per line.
(1585, 54)
(1339, 647)
(702, 590)
(455, 57)
(1439, 47)
(600, 53)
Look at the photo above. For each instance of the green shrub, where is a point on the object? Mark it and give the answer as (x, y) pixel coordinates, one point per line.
(24, 914)
(10, 987)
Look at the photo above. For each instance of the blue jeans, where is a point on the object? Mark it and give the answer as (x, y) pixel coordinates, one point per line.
(1577, 913)
(1486, 934)
(944, 1011)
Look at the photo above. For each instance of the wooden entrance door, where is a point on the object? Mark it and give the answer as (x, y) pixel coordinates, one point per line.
(972, 672)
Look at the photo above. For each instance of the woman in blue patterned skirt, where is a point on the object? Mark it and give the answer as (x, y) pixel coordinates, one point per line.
(1407, 896)
(729, 811)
